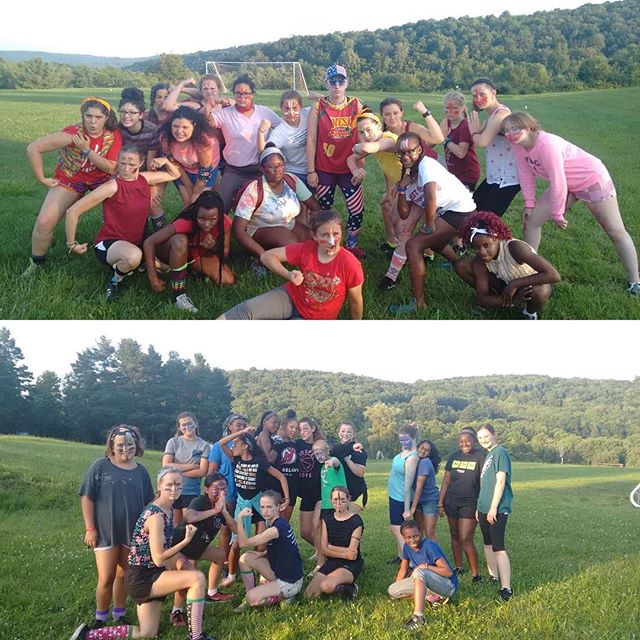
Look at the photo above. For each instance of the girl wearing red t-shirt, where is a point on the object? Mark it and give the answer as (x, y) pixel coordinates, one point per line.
(125, 206)
(199, 238)
(87, 154)
(326, 275)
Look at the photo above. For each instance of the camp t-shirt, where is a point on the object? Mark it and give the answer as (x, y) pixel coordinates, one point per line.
(207, 529)
(497, 460)
(283, 554)
(249, 476)
(464, 472)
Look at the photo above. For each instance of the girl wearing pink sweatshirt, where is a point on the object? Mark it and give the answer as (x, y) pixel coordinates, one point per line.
(573, 174)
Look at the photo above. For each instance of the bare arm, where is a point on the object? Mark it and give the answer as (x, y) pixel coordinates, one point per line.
(483, 137)
(259, 539)
(446, 481)
(410, 468)
(155, 528)
(420, 480)
(273, 260)
(35, 150)
(312, 139)
(149, 249)
(272, 471)
(88, 515)
(356, 304)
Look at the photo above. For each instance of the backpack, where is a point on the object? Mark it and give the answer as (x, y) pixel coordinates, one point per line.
(288, 178)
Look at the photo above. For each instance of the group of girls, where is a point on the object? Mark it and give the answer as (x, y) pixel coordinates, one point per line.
(278, 174)
(146, 545)
(476, 489)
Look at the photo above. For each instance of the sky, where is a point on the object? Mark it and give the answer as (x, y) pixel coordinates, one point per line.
(73, 26)
(402, 351)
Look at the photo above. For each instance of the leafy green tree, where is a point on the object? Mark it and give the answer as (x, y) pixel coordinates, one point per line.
(15, 380)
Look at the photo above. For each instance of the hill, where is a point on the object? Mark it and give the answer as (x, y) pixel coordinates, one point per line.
(72, 58)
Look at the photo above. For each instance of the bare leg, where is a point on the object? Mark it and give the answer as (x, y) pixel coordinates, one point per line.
(55, 205)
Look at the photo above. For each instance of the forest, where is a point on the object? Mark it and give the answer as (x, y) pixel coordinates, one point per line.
(593, 46)
(539, 418)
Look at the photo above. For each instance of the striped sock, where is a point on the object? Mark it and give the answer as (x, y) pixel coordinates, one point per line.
(178, 281)
(118, 612)
(195, 610)
(397, 262)
(102, 615)
(248, 579)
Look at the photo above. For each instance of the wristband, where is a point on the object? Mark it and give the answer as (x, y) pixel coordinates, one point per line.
(89, 530)
(401, 189)
(310, 172)
(447, 140)
(427, 229)
(426, 114)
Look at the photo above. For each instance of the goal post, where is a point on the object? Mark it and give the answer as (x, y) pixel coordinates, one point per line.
(267, 75)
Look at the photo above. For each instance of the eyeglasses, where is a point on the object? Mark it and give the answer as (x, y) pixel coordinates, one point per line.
(337, 83)
(129, 113)
(242, 94)
(407, 152)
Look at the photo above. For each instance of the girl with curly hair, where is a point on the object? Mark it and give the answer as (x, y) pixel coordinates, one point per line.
(505, 271)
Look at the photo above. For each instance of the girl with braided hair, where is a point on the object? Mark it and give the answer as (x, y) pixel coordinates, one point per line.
(505, 271)
(199, 238)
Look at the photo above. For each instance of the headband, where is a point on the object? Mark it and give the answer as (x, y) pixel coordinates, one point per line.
(104, 103)
(478, 231)
(269, 151)
(367, 113)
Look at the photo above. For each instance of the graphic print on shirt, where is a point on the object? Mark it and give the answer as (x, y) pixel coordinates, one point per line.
(245, 475)
(307, 461)
(320, 288)
(288, 456)
(487, 464)
(464, 465)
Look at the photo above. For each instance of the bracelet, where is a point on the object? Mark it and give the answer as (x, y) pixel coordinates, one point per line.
(426, 114)
(89, 530)
(427, 229)
(70, 245)
(446, 141)
(310, 172)
(401, 189)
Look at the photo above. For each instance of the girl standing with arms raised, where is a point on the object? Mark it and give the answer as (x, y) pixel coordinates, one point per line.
(494, 506)
(114, 492)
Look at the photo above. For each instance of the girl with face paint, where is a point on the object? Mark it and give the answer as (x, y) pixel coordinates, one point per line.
(113, 493)
(403, 471)
(316, 290)
(188, 452)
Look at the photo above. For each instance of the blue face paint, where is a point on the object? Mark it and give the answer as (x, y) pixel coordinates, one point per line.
(405, 442)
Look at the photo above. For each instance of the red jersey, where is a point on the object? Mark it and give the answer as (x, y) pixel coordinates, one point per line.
(466, 169)
(337, 133)
(324, 289)
(197, 248)
(74, 167)
(125, 213)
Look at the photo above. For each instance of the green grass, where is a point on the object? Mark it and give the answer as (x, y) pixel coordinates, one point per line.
(72, 287)
(572, 541)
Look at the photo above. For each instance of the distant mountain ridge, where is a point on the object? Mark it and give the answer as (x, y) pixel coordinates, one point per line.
(73, 58)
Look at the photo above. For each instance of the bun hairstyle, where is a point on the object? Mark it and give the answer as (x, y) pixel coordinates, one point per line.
(410, 430)
(134, 96)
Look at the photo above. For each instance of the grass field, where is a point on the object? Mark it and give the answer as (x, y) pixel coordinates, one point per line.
(572, 541)
(593, 279)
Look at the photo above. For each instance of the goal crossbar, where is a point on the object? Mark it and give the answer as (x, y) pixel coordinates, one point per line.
(296, 79)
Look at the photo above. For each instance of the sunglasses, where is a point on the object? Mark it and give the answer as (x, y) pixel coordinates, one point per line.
(337, 83)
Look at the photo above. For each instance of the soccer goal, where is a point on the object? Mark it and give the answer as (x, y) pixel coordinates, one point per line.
(266, 75)
(634, 496)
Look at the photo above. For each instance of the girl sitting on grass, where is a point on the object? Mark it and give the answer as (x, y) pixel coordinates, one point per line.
(340, 545)
(505, 271)
(280, 564)
(154, 571)
(198, 239)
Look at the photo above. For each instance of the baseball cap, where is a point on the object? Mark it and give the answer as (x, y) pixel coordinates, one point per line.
(335, 70)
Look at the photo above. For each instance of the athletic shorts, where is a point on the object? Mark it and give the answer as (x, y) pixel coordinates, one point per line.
(429, 508)
(289, 589)
(492, 197)
(454, 218)
(602, 190)
(460, 510)
(493, 534)
(193, 177)
(353, 566)
(138, 582)
(396, 509)
(80, 187)
(183, 501)
(101, 250)
(308, 501)
(343, 180)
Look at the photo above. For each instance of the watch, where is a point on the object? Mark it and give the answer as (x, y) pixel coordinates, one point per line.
(426, 114)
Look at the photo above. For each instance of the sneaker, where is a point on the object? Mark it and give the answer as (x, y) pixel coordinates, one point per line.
(460, 250)
(358, 252)
(177, 618)
(428, 256)
(34, 268)
(352, 592)
(505, 594)
(269, 601)
(142, 267)
(414, 622)
(219, 597)
(386, 284)
(529, 316)
(112, 290)
(184, 304)
(387, 249)
(287, 602)
(241, 607)
(476, 579)
(395, 560)
(398, 309)
(81, 632)
(494, 579)
(459, 571)
(633, 289)
(258, 268)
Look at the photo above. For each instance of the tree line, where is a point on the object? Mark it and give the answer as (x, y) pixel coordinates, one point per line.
(594, 46)
(538, 418)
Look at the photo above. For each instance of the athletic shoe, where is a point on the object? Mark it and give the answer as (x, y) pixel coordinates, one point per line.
(414, 622)
(386, 284)
(219, 597)
(142, 268)
(177, 619)
(241, 607)
(460, 250)
(395, 560)
(399, 309)
(459, 571)
(352, 592)
(358, 252)
(505, 594)
(529, 316)
(494, 579)
(80, 633)
(112, 290)
(386, 248)
(259, 269)
(271, 600)
(287, 602)
(429, 256)
(34, 268)
(184, 304)
(476, 579)
(633, 289)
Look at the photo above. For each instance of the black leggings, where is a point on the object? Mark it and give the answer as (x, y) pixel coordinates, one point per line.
(493, 534)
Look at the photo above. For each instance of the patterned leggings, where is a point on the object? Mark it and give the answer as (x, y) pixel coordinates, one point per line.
(354, 197)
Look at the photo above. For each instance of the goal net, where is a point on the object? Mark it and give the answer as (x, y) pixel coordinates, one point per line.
(266, 75)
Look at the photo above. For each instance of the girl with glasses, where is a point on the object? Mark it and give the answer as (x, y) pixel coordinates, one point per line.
(113, 493)
(340, 539)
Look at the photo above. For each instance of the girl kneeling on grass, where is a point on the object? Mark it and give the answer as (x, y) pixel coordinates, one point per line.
(199, 239)
(280, 564)
(327, 274)
(154, 572)
(125, 208)
(504, 271)
(340, 544)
